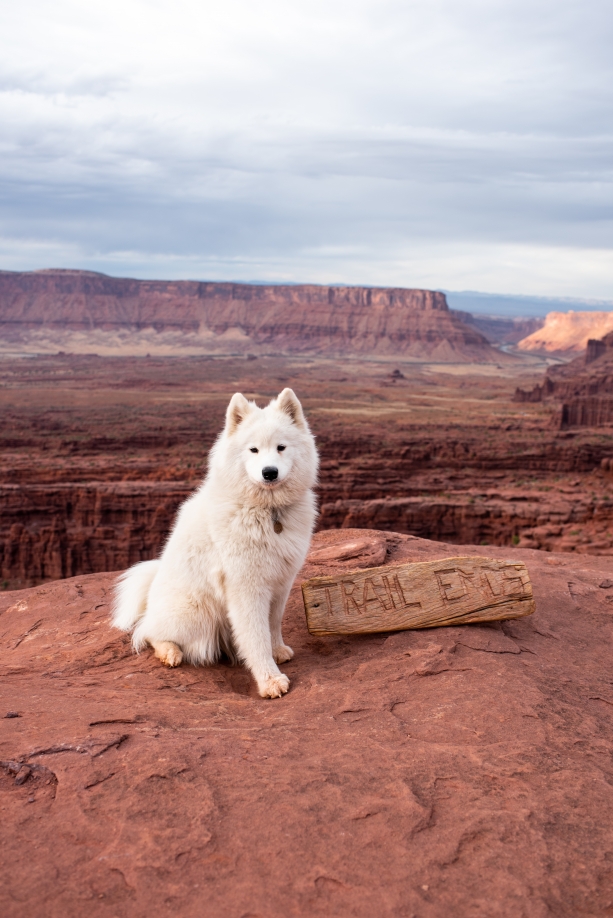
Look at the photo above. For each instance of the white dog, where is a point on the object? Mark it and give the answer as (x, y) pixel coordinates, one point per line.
(237, 544)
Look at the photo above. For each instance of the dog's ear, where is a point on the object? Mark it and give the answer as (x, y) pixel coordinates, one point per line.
(288, 402)
(238, 409)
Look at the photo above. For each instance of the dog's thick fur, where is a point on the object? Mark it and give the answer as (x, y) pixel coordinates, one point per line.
(223, 579)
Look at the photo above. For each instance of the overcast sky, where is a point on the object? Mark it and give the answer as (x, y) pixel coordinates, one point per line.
(458, 144)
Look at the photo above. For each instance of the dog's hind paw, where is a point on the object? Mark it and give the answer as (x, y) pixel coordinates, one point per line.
(274, 686)
(169, 653)
(282, 653)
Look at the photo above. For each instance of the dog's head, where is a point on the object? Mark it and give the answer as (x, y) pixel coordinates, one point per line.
(273, 445)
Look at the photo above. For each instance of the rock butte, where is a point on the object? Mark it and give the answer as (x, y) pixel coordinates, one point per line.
(450, 772)
(85, 311)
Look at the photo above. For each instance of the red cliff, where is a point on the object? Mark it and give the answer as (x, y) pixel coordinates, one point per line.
(233, 318)
(584, 387)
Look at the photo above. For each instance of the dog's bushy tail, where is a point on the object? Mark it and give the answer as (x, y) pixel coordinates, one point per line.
(131, 594)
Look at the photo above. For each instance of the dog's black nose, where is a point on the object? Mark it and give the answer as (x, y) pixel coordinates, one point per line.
(270, 473)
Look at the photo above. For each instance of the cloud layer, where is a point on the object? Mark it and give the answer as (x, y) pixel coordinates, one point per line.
(430, 143)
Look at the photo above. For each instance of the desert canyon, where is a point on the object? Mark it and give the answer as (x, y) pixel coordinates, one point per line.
(424, 426)
(458, 771)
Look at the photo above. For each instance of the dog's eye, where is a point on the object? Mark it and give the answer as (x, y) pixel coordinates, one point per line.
(253, 449)
(280, 448)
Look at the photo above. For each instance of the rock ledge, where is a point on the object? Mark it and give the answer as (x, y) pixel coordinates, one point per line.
(459, 771)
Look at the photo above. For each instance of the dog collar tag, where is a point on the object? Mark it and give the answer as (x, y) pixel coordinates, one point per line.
(276, 524)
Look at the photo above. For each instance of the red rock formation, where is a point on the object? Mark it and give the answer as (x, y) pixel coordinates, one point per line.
(488, 517)
(59, 530)
(235, 318)
(430, 486)
(589, 411)
(584, 387)
(598, 347)
(449, 772)
(537, 394)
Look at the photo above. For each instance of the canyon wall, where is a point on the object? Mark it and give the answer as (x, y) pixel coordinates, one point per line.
(442, 487)
(589, 411)
(57, 530)
(583, 387)
(81, 312)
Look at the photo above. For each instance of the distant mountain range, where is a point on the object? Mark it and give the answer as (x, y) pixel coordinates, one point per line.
(499, 304)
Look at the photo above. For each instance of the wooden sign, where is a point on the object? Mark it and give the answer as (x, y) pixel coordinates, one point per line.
(397, 597)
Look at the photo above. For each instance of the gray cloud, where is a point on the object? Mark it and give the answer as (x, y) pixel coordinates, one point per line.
(465, 146)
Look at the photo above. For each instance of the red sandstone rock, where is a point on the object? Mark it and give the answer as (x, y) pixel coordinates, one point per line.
(584, 387)
(50, 531)
(53, 530)
(237, 318)
(450, 772)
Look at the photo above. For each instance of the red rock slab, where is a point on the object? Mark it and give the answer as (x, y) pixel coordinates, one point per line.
(463, 771)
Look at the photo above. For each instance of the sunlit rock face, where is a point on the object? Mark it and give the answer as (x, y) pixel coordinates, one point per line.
(568, 332)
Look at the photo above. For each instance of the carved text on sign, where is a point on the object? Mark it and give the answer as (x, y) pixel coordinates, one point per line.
(418, 595)
(505, 583)
(385, 592)
(454, 583)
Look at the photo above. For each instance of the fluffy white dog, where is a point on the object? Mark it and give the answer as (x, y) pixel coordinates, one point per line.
(237, 544)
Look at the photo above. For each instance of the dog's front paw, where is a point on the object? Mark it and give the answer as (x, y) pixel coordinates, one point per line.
(282, 653)
(168, 652)
(274, 686)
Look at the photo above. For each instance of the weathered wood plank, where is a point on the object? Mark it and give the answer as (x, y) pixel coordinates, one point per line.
(422, 595)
